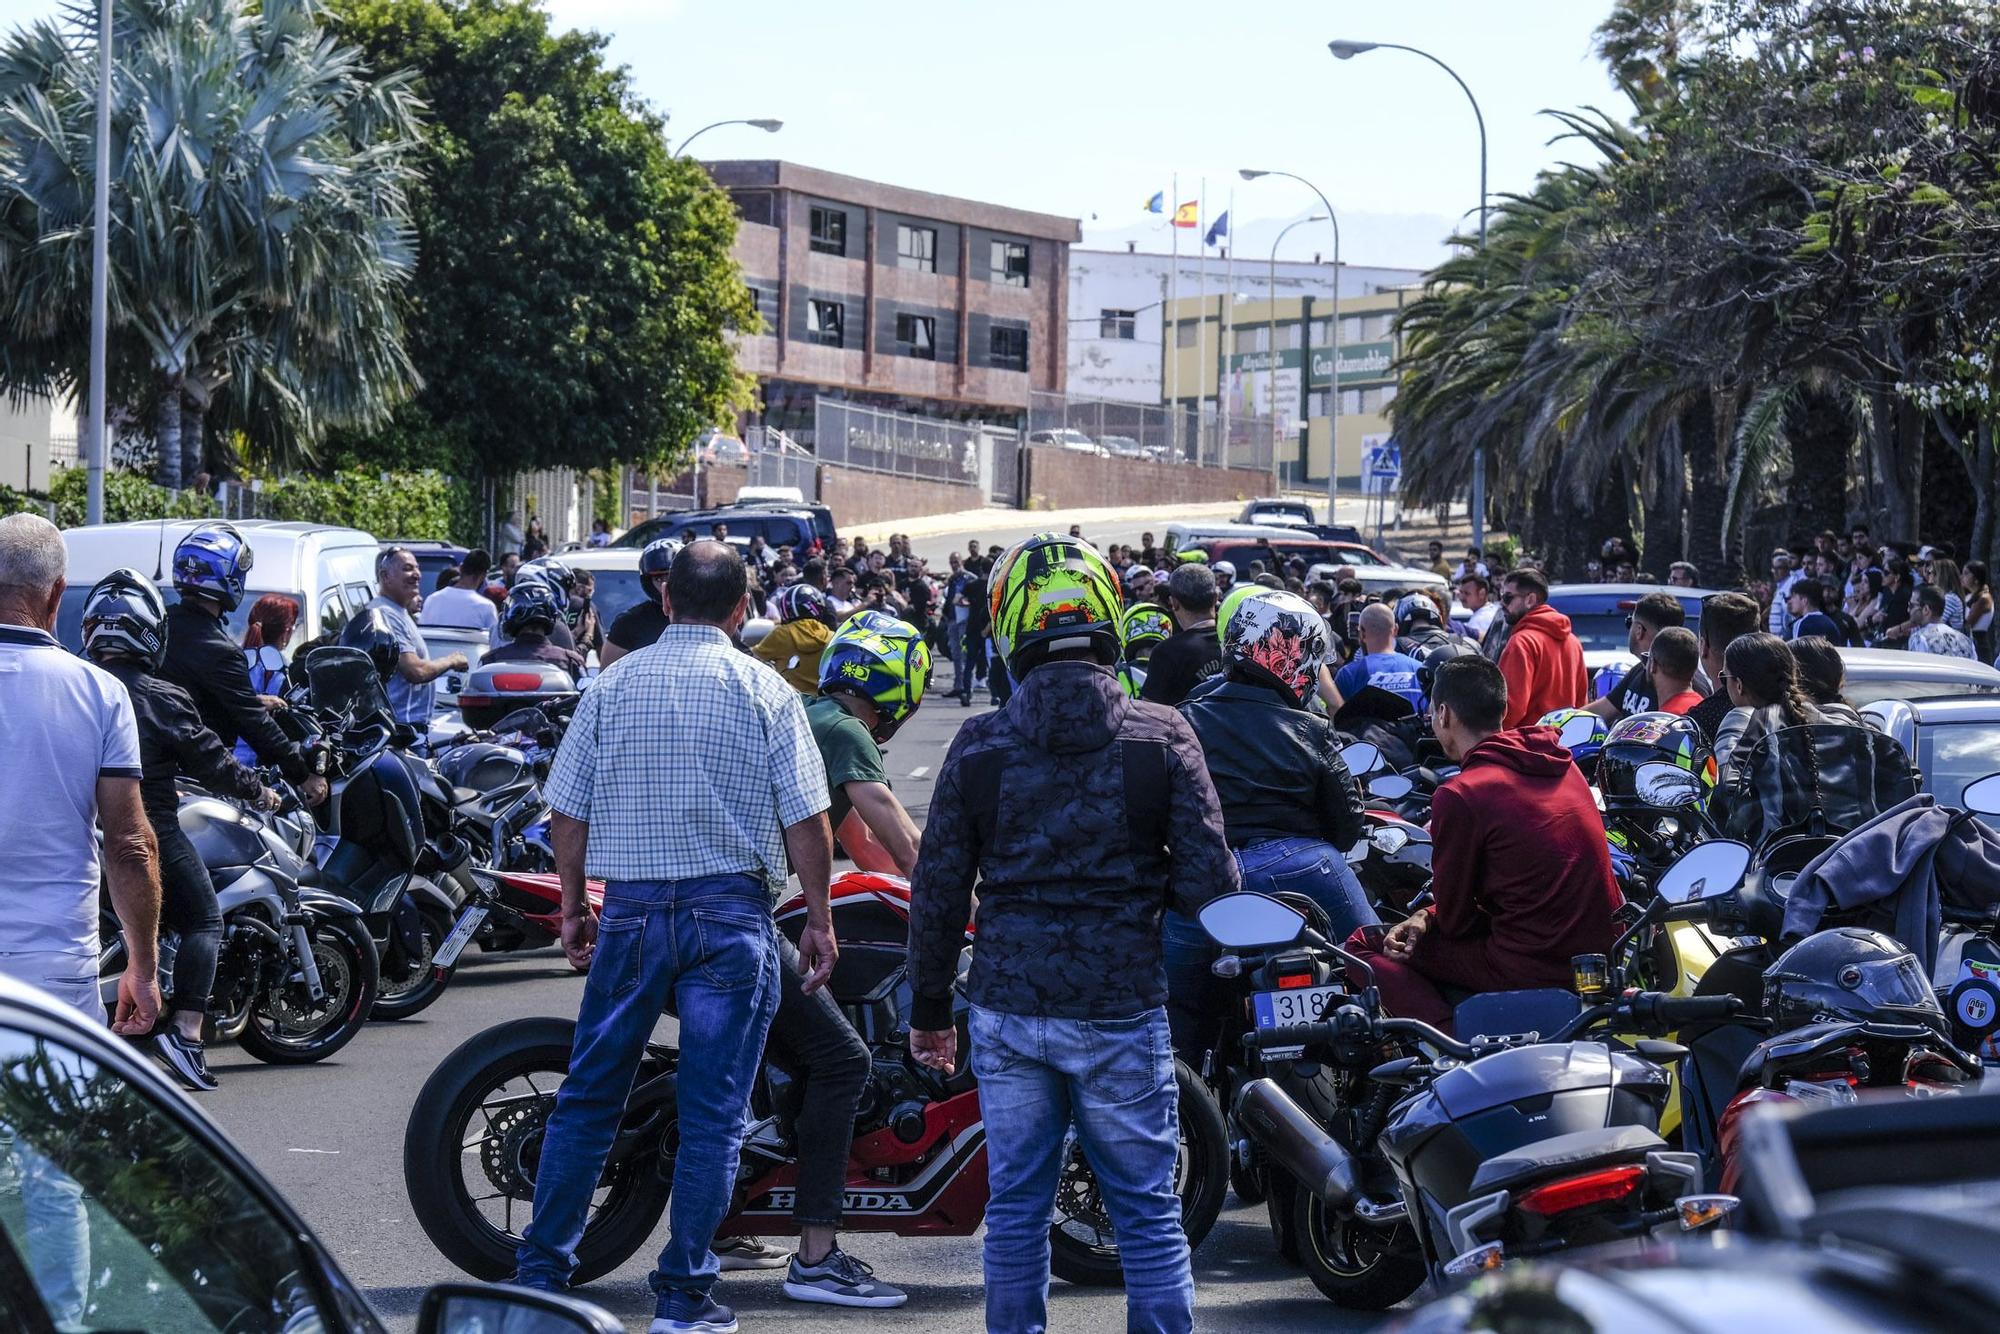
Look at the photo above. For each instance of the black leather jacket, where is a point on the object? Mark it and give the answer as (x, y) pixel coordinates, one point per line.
(1277, 769)
(205, 662)
(172, 741)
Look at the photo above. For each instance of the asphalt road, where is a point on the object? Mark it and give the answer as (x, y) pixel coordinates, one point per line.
(331, 1137)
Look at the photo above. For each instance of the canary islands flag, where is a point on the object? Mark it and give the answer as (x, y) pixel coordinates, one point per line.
(1188, 214)
(1158, 203)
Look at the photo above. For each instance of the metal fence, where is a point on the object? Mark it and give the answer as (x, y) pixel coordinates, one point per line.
(848, 436)
(1149, 431)
(772, 468)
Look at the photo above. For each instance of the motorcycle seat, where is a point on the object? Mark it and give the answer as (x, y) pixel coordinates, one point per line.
(1564, 1155)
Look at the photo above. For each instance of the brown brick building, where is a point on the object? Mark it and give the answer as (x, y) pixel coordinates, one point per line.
(896, 298)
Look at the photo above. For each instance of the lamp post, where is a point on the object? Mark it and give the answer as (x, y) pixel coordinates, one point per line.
(1333, 443)
(100, 276)
(1346, 50)
(766, 125)
(1271, 337)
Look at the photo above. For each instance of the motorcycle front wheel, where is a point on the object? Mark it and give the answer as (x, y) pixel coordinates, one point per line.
(410, 983)
(1354, 1265)
(288, 1027)
(1082, 1249)
(475, 1137)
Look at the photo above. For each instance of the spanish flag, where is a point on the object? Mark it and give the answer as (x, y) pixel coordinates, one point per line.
(1188, 214)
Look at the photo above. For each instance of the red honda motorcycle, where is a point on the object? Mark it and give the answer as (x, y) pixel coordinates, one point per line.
(917, 1166)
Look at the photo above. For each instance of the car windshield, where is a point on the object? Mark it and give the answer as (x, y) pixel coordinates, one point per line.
(616, 590)
(1958, 753)
(1358, 556)
(1600, 632)
(1865, 690)
(69, 616)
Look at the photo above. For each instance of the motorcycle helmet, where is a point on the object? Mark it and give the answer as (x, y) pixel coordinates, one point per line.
(1048, 593)
(1848, 974)
(1437, 655)
(1226, 608)
(531, 603)
(1654, 738)
(125, 616)
(1145, 627)
(556, 573)
(1582, 731)
(801, 602)
(1412, 610)
(1606, 680)
(654, 561)
(880, 659)
(1192, 556)
(213, 561)
(1276, 637)
(370, 632)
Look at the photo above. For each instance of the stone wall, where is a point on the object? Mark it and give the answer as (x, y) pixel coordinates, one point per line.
(1063, 479)
(858, 499)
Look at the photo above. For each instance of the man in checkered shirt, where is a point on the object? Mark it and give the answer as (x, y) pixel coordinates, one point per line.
(686, 780)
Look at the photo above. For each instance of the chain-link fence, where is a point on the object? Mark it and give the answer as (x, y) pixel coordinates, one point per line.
(1148, 431)
(849, 436)
(771, 468)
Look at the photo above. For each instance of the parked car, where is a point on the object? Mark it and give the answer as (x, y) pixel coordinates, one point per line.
(1265, 509)
(1599, 616)
(184, 1232)
(822, 516)
(326, 571)
(1321, 557)
(1124, 447)
(778, 527)
(616, 570)
(1952, 740)
(1074, 441)
(1887, 673)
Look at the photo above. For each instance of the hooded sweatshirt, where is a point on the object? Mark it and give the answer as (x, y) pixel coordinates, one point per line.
(1083, 814)
(1519, 868)
(1543, 664)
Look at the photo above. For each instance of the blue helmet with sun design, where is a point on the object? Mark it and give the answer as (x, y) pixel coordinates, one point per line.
(880, 659)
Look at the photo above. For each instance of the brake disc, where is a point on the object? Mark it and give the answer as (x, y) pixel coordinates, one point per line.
(503, 1153)
(1077, 1195)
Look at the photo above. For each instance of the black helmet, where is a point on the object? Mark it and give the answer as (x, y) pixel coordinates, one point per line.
(530, 603)
(369, 631)
(1437, 655)
(125, 616)
(655, 560)
(1655, 738)
(1849, 974)
(1414, 609)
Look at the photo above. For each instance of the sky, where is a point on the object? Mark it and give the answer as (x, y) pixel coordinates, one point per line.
(1087, 108)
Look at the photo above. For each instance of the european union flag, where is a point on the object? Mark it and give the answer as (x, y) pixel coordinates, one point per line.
(1221, 228)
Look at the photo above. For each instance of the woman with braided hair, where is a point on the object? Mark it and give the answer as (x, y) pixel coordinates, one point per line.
(1762, 678)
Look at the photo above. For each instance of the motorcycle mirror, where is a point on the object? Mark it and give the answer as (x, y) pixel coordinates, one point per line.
(1982, 795)
(1362, 757)
(1390, 787)
(1665, 785)
(1704, 872)
(1250, 921)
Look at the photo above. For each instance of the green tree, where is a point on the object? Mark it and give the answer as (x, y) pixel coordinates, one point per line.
(575, 290)
(260, 230)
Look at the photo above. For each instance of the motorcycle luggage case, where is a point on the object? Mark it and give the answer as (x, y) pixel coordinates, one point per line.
(495, 689)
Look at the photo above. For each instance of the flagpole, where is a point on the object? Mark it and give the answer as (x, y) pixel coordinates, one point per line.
(1201, 329)
(1227, 325)
(1170, 331)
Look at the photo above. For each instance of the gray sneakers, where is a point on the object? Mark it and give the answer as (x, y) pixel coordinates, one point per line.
(743, 1253)
(840, 1280)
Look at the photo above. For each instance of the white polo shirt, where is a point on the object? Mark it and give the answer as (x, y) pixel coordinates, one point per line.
(64, 723)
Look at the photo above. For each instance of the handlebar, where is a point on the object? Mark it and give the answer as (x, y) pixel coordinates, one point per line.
(1645, 1009)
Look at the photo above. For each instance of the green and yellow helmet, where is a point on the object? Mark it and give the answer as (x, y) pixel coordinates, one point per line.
(1144, 627)
(1050, 592)
(882, 660)
(1193, 555)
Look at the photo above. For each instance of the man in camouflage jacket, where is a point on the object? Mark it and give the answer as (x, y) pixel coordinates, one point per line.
(1082, 813)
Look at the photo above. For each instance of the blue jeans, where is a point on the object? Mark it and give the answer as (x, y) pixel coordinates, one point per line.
(1114, 1078)
(1196, 999)
(709, 945)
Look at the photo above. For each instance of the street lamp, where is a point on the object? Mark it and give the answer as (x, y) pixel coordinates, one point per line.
(1333, 444)
(1271, 336)
(766, 125)
(1346, 50)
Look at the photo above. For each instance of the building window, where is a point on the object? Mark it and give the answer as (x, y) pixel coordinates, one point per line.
(1252, 338)
(916, 248)
(1008, 348)
(1010, 263)
(1186, 332)
(1385, 396)
(1350, 402)
(1316, 403)
(1320, 333)
(1121, 324)
(916, 336)
(1288, 336)
(823, 323)
(829, 231)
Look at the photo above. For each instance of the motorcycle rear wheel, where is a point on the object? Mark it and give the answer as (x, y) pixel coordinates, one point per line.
(1202, 1181)
(1352, 1264)
(421, 984)
(452, 1113)
(286, 1028)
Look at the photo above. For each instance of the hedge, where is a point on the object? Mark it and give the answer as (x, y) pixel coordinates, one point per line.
(413, 504)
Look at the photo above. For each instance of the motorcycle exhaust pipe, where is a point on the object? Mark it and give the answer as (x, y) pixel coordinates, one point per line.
(1297, 1143)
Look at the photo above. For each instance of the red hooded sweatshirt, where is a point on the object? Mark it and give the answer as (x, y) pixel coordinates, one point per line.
(1519, 868)
(1543, 664)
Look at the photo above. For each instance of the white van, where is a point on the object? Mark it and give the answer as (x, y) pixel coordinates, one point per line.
(327, 572)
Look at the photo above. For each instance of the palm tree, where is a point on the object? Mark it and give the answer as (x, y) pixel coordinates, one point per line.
(260, 228)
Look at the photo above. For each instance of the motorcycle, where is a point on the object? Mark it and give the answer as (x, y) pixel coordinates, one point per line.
(917, 1166)
(296, 972)
(1441, 1165)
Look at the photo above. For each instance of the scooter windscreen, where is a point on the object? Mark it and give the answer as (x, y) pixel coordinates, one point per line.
(343, 683)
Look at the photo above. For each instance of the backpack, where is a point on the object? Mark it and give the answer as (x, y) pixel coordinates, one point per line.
(1815, 779)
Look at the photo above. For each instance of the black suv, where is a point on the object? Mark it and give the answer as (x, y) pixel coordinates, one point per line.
(779, 524)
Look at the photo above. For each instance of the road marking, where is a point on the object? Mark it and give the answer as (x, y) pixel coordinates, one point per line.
(334, 1152)
(920, 771)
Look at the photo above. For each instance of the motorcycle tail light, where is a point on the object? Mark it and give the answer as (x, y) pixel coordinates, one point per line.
(516, 681)
(1292, 981)
(1613, 1183)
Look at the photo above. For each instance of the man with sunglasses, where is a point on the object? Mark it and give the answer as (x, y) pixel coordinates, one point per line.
(1634, 694)
(1542, 660)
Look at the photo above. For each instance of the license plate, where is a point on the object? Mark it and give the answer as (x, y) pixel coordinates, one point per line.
(1305, 1005)
(461, 935)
